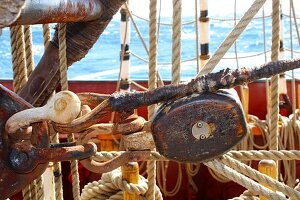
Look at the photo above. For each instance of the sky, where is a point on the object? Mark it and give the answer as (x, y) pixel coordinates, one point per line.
(216, 7)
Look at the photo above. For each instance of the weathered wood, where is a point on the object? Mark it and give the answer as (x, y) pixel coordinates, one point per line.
(211, 82)
(199, 127)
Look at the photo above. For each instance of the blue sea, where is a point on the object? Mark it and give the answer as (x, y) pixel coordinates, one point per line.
(102, 61)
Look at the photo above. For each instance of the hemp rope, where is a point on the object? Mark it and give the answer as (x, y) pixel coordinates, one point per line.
(21, 58)
(232, 36)
(274, 91)
(162, 168)
(110, 185)
(28, 49)
(246, 195)
(13, 45)
(239, 155)
(176, 46)
(37, 186)
(242, 180)
(256, 175)
(151, 165)
(19, 79)
(46, 34)
(176, 41)
(64, 86)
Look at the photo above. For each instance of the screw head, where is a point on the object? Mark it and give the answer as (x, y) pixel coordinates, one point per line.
(201, 130)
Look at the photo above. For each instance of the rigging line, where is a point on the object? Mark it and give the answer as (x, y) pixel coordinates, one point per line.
(235, 45)
(288, 16)
(293, 50)
(295, 20)
(159, 18)
(232, 19)
(231, 37)
(292, 56)
(194, 58)
(193, 21)
(137, 29)
(138, 32)
(138, 85)
(164, 23)
(197, 35)
(264, 33)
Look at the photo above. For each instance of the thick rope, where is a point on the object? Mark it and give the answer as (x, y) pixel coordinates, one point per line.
(151, 165)
(176, 41)
(231, 38)
(112, 186)
(242, 180)
(46, 34)
(56, 168)
(13, 44)
(62, 56)
(239, 155)
(246, 195)
(28, 49)
(274, 92)
(21, 58)
(26, 192)
(64, 86)
(20, 77)
(261, 178)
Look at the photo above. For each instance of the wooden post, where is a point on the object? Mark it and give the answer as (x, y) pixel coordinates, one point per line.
(269, 168)
(130, 173)
(204, 32)
(245, 100)
(125, 52)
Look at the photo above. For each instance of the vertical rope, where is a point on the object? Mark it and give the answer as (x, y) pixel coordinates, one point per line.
(57, 171)
(13, 43)
(274, 92)
(46, 34)
(26, 193)
(151, 165)
(176, 44)
(63, 56)
(64, 86)
(20, 78)
(36, 187)
(21, 57)
(28, 49)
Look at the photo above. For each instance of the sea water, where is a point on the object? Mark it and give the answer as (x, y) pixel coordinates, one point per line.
(102, 62)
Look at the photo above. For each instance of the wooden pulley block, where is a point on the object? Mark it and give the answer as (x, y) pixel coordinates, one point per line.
(199, 127)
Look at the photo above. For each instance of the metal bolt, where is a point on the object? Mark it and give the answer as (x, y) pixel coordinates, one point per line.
(200, 130)
(200, 125)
